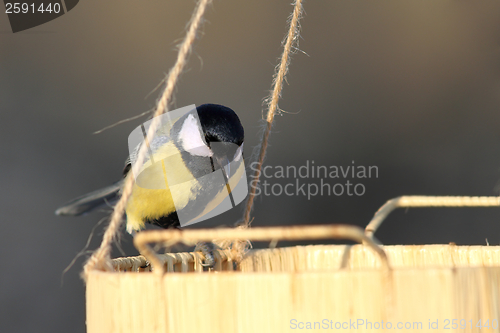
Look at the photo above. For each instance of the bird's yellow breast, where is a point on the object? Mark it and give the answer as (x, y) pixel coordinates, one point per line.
(154, 199)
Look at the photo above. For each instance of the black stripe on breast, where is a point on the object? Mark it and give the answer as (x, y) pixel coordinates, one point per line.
(167, 222)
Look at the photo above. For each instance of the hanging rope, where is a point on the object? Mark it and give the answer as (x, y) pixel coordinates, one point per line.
(282, 69)
(101, 259)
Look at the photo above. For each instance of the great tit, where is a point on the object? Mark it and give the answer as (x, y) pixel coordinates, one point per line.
(187, 154)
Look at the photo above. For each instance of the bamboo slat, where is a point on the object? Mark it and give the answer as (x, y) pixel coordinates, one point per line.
(284, 301)
(428, 288)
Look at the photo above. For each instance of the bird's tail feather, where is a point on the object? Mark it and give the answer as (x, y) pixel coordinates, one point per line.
(103, 197)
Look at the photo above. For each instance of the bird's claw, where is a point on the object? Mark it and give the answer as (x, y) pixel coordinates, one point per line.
(209, 260)
(207, 251)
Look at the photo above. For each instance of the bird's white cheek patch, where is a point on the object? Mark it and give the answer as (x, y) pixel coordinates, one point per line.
(191, 140)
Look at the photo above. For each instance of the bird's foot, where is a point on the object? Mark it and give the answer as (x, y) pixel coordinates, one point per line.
(207, 250)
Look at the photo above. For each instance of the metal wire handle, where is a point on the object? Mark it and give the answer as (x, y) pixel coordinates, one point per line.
(425, 201)
(173, 236)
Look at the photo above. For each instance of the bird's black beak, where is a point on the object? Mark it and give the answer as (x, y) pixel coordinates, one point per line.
(223, 155)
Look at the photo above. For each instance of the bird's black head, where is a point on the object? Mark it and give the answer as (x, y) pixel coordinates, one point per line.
(220, 124)
(223, 132)
(213, 142)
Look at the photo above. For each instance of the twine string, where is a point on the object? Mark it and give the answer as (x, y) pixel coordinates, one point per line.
(282, 70)
(101, 259)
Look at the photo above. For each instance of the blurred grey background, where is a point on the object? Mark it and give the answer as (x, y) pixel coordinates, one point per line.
(412, 87)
